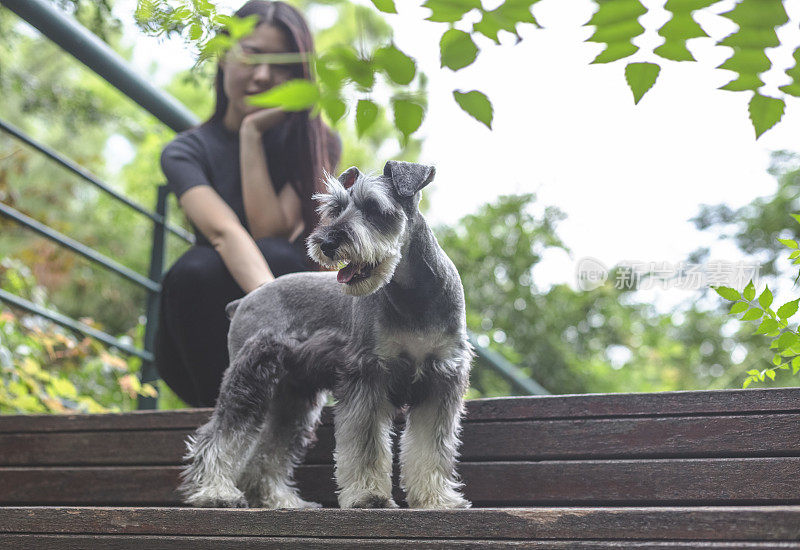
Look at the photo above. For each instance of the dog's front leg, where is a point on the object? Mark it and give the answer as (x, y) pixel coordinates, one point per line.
(363, 456)
(430, 440)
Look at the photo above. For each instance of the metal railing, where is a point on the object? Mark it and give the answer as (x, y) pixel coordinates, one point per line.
(98, 57)
(151, 283)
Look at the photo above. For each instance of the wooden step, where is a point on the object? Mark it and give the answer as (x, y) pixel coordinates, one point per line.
(596, 528)
(675, 448)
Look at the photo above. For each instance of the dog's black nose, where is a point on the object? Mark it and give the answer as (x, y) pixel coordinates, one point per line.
(328, 247)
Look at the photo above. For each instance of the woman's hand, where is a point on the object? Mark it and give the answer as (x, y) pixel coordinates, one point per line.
(262, 120)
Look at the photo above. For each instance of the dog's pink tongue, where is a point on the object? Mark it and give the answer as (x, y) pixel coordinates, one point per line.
(347, 272)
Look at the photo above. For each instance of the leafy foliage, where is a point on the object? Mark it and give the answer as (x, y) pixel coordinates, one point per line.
(44, 369)
(505, 17)
(785, 340)
(54, 98)
(616, 24)
(573, 341)
(681, 27)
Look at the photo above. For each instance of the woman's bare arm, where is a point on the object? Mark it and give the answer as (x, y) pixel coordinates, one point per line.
(268, 214)
(220, 225)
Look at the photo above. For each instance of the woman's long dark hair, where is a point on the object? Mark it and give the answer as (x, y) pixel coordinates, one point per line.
(302, 147)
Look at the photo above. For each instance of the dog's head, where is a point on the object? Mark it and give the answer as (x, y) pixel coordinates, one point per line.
(364, 221)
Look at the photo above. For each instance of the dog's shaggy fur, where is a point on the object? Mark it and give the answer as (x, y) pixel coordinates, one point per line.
(388, 331)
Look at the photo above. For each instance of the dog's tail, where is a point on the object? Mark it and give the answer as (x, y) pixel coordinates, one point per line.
(230, 309)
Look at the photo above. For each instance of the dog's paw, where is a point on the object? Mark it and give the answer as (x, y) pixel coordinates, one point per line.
(373, 501)
(217, 499)
(289, 501)
(450, 501)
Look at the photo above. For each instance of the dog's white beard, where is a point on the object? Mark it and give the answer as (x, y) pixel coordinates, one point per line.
(380, 276)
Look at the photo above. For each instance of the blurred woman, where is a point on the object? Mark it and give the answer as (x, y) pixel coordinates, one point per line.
(244, 178)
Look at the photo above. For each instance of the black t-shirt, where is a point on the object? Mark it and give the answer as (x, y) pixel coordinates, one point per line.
(209, 155)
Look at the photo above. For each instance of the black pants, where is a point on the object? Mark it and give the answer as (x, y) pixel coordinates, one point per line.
(191, 351)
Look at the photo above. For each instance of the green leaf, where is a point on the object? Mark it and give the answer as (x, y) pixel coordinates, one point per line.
(641, 77)
(753, 372)
(747, 382)
(195, 31)
(727, 292)
(752, 314)
(366, 113)
(767, 325)
(476, 104)
(397, 65)
(680, 28)
(793, 88)
(450, 11)
(360, 71)
(457, 49)
(771, 374)
(787, 340)
(756, 21)
(329, 72)
(407, 116)
(790, 243)
(765, 300)
(765, 112)
(239, 27)
(749, 291)
(386, 6)
(788, 309)
(796, 217)
(737, 308)
(295, 95)
(334, 108)
(614, 52)
(795, 365)
(218, 45)
(616, 25)
(776, 360)
(505, 17)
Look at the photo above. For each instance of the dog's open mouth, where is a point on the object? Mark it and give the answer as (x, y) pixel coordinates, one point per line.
(354, 272)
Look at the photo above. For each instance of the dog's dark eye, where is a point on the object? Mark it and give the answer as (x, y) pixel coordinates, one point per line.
(335, 208)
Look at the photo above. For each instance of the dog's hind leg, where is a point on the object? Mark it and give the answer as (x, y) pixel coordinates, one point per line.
(429, 442)
(288, 431)
(219, 450)
(292, 419)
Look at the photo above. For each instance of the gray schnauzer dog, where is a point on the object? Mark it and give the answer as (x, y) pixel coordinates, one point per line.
(385, 332)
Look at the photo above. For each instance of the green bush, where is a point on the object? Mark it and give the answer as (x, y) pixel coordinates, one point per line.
(47, 369)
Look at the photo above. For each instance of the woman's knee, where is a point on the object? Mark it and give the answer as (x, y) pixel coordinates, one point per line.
(198, 270)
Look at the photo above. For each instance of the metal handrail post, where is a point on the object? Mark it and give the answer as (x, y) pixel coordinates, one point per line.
(512, 373)
(149, 373)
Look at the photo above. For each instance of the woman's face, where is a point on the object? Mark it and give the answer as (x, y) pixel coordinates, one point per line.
(242, 77)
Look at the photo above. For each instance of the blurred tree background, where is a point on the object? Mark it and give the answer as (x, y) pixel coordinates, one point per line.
(570, 341)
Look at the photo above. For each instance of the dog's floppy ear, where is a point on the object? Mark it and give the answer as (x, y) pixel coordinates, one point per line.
(408, 177)
(349, 176)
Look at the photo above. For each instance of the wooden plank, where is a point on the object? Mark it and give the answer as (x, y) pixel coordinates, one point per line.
(82, 542)
(631, 437)
(505, 408)
(570, 482)
(714, 436)
(724, 523)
